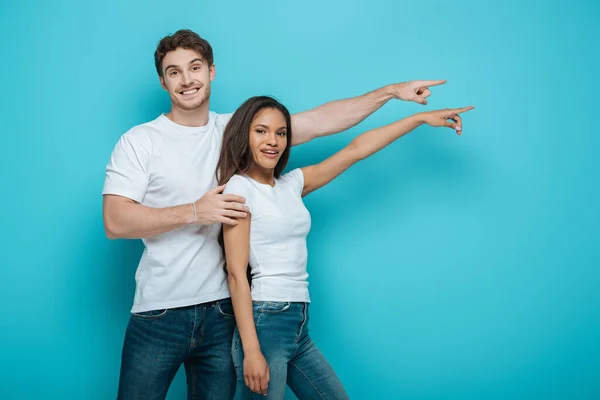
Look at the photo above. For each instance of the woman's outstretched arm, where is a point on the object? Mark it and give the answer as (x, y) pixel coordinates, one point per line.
(370, 142)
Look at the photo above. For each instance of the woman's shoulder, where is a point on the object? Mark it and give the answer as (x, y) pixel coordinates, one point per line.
(294, 178)
(294, 174)
(238, 183)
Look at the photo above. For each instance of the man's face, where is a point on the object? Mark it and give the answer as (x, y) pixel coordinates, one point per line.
(187, 78)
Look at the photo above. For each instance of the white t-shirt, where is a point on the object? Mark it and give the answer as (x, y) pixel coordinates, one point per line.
(162, 164)
(279, 225)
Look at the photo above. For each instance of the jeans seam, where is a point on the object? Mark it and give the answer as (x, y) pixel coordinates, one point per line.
(301, 326)
(203, 324)
(193, 382)
(192, 338)
(308, 379)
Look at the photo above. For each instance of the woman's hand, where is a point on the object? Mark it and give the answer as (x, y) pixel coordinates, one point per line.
(448, 118)
(256, 372)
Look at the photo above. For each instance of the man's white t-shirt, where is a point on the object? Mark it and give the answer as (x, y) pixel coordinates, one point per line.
(163, 164)
(278, 229)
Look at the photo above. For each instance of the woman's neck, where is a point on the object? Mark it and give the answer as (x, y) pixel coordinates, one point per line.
(262, 175)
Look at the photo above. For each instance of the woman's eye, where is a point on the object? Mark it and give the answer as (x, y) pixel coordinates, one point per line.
(282, 133)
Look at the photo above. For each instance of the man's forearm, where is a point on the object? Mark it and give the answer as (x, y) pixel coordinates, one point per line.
(129, 220)
(337, 116)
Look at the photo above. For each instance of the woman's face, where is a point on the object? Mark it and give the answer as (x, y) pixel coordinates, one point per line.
(268, 137)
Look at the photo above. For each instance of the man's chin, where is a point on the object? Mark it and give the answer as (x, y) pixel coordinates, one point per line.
(189, 105)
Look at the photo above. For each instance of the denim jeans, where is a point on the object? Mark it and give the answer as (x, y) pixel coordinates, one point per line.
(293, 358)
(158, 342)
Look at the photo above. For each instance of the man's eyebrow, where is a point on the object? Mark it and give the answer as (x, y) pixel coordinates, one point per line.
(170, 66)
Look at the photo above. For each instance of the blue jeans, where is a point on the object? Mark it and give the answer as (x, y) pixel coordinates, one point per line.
(293, 358)
(158, 342)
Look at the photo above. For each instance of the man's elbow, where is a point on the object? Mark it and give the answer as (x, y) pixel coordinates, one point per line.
(111, 229)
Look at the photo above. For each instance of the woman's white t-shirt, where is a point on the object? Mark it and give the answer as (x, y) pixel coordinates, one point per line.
(279, 226)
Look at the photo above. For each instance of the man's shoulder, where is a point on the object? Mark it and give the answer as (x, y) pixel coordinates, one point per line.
(222, 119)
(144, 131)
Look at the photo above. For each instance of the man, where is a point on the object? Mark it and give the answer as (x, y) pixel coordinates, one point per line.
(160, 187)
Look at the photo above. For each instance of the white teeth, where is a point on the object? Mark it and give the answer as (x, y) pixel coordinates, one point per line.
(190, 91)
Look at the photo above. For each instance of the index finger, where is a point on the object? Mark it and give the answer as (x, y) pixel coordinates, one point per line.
(432, 83)
(462, 110)
(233, 198)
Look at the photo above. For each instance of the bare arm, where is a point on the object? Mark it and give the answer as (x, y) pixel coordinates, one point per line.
(237, 247)
(370, 142)
(337, 116)
(127, 219)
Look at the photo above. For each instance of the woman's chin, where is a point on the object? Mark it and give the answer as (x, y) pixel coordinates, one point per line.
(268, 164)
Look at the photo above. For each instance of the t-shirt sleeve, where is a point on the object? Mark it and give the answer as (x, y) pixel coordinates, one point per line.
(296, 179)
(126, 172)
(224, 118)
(240, 186)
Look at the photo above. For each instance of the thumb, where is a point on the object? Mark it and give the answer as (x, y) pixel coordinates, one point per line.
(218, 189)
(420, 100)
(449, 124)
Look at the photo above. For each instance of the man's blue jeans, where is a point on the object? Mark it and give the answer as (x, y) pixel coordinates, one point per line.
(158, 342)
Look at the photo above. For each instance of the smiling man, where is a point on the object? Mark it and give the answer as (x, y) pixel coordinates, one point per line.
(160, 187)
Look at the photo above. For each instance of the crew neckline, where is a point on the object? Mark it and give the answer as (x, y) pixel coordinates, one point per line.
(189, 130)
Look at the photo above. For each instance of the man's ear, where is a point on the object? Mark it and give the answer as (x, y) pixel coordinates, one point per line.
(213, 72)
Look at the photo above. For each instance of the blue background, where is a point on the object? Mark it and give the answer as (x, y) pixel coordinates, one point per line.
(444, 267)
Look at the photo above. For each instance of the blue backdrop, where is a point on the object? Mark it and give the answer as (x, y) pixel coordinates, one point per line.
(444, 267)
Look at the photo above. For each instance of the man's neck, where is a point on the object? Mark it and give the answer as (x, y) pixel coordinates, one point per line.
(196, 117)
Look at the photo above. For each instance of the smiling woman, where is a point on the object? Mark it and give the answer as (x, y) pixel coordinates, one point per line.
(272, 347)
(259, 137)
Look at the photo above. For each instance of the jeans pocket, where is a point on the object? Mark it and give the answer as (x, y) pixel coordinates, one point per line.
(225, 308)
(152, 314)
(275, 306)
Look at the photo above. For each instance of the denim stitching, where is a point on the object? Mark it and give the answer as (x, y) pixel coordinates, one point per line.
(222, 312)
(157, 316)
(301, 326)
(193, 382)
(285, 308)
(192, 339)
(203, 324)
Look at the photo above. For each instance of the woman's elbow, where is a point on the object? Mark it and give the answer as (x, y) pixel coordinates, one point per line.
(357, 151)
(237, 279)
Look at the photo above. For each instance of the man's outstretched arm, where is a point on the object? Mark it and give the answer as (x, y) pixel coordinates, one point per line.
(337, 116)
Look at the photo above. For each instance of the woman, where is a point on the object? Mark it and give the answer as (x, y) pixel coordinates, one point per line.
(271, 345)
